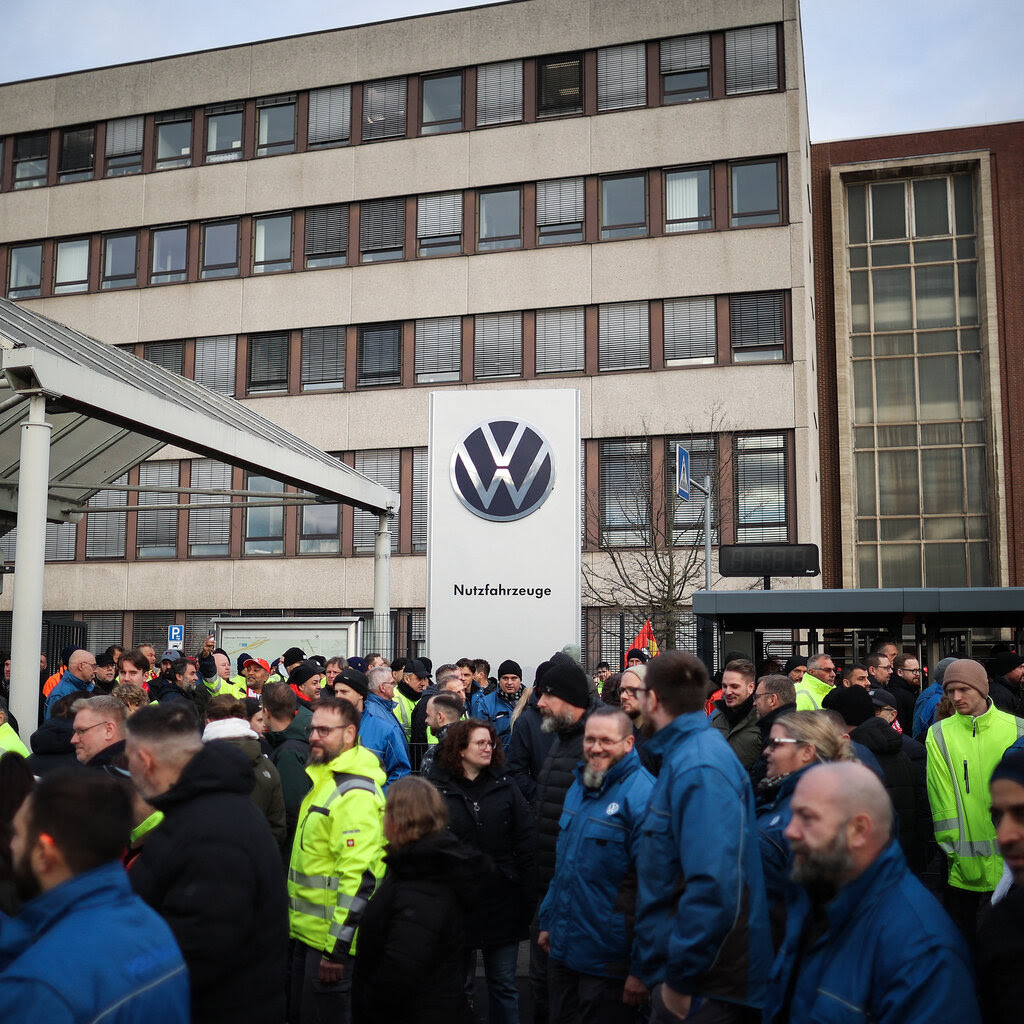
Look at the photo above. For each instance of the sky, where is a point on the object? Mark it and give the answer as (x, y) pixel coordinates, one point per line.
(873, 67)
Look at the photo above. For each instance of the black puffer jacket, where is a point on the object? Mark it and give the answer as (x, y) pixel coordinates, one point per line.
(409, 965)
(213, 871)
(490, 815)
(51, 747)
(529, 747)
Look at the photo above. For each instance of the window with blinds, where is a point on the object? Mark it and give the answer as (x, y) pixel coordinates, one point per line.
(438, 350)
(625, 492)
(382, 230)
(268, 363)
(72, 273)
(168, 354)
(105, 531)
(559, 340)
(215, 363)
(104, 629)
(498, 345)
(751, 60)
(330, 116)
(439, 224)
(499, 93)
(151, 628)
(209, 529)
(60, 542)
(383, 466)
(622, 77)
(560, 211)
(323, 358)
(624, 330)
(690, 331)
(327, 236)
(384, 109)
(760, 481)
(419, 499)
(688, 200)
(559, 85)
(157, 533)
(687, 517)
(264, 524)
(380, 355)
(685, 68)
(124, 146)
(757, 327)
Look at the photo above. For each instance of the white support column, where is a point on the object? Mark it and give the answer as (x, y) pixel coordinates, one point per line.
(382, 587)
(27, 620)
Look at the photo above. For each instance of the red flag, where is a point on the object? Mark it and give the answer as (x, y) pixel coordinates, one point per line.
(645, 640)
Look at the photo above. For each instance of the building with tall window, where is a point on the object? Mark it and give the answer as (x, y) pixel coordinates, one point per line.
(328, 227)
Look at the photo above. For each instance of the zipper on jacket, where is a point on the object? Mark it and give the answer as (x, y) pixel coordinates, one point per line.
(967, 781)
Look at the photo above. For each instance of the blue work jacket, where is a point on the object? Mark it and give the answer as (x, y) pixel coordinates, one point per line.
(381, 732)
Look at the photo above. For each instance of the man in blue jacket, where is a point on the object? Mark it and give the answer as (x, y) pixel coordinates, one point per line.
(379, 730)
(702, 918)
(855, 892)
(77, 678)
(497, 706)
(586, 919)
(84, 947)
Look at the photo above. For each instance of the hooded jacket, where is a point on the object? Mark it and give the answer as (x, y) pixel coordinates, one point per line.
(740, 728)
(213, 872)
(590, 906)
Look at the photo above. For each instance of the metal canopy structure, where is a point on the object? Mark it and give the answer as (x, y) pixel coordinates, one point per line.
(78, 413)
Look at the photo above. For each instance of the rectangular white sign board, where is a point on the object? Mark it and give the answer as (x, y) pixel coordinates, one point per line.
(503, 514)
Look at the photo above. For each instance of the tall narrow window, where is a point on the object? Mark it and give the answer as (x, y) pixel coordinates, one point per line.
(498, 345)
(419, 499)
(215, 363)
(756, 193)
(560, 213)
(499, 93)
(209, 529)
(500, 220)
(559, 85)
(382, 230)
(120, 260)
(439, 224)
(625, 492)
(220, 249)
(170, 254)
(685, 69)
(438, 350)
(223, 133)
(330, 116)
(173, 139)
(268, 363)
(273, 249)
(264, 524)
(77, 154)
(26, 273)
(31, 158)
(757, 327)
(622, 77)
(124, 146)
(751, 60)
(760, 482)
(72, 270)
(690, 331)
(105, 531)
(275, 132)
(688, 200)
(169, 355)
(560, 346)
(442, 104)
(157, 534)
(327, 236)
(383, 467)
(323, 358)
(624, 336)
(380, 355)
(384, 109)
(318, 530)
(624, 206)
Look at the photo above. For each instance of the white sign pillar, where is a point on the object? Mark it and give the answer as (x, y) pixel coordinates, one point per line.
(504, 517)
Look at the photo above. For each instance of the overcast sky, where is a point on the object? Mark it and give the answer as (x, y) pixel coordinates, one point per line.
(874, 67)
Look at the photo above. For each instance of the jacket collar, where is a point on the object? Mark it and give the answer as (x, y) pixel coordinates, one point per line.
(677, 730)
(78, 684)
(983, 721)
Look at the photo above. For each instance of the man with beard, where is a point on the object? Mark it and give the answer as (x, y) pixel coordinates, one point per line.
(335, 867)
(855, 893)
(586, 919)
(180, 683)
(631, 685)
(69, 835)
(735, 716)
(774, 696)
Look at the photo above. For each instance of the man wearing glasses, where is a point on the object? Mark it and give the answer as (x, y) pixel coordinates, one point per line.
(816, 683)
(336, 861)
(98, 736)
(905, 686)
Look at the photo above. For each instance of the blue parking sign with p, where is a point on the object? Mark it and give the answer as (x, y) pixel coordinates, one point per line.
(176, 637)
(682, 473)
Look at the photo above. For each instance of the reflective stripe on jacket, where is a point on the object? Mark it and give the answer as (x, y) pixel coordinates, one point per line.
(962, 754)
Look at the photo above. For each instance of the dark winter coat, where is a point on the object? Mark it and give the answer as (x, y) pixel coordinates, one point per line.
(529, 748)
(267, 794)
(491, 816)
(905, 696)
(739, 726)
(759, 768)
(1000, 953)
(51, 747)
(213, 871)
(108, 755)
(163, 690)
(1006, 696)
(409, 963)
(290, 754)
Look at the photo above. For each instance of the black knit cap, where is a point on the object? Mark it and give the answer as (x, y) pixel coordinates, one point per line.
(794, 662)
(354, 680)
(510, 668)
(637, 652)
(567, 681)
(303, 672)
(292, 655)
(852, 702)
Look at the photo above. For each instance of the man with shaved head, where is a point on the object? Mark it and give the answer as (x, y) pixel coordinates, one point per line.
(854, 893)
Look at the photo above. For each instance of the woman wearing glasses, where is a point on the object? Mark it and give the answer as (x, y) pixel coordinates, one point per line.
(796, 741)
(487, 811)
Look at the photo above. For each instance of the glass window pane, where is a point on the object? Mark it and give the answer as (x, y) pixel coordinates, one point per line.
(865, 462)
(894, 391)
(936, 302)
(931, 216)
(559, 85)
(891, 296)
(72, 266)
(945, 565)
(224, 137)
(119, 253)
(938, 381)
(863, 407)
(901, 565)
(276, 130)
(264, 525)
(174, 144)
(897, 483)
(963, 198)
(974, 407)
(273, 244)
(859, 301)
(856, 209)
(981, 573)
(942, 470)
(499, 220)
(977, 488)
(888, 210)
(442, 104)
(623, 207)
(867, 565)
(220, 249)
(688, 200)
(968, 274)
(755, 194)
(169, 254)
(25, 279)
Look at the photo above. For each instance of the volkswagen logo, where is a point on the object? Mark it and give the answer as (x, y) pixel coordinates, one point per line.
(503, 470)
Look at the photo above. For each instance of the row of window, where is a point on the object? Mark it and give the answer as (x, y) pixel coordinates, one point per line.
(756, 466)
(679, 70)
(699, 330)
(559, 211)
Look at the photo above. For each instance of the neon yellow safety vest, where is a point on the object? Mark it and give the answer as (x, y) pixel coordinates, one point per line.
(810, 692)
(10, 741)
(403, 712)
(962, 754)
(218, 687)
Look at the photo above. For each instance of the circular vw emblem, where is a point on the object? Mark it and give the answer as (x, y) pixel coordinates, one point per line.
(503, 470)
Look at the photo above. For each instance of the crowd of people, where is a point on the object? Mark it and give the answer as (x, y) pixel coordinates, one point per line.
(328, 839)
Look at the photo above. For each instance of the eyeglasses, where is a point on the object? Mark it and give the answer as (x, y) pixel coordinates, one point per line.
(324, 730)
(86, 728)
(777, 742)
(482, 744)
(632, 691)
(600, 741)
(758, 696)
(911, 671)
